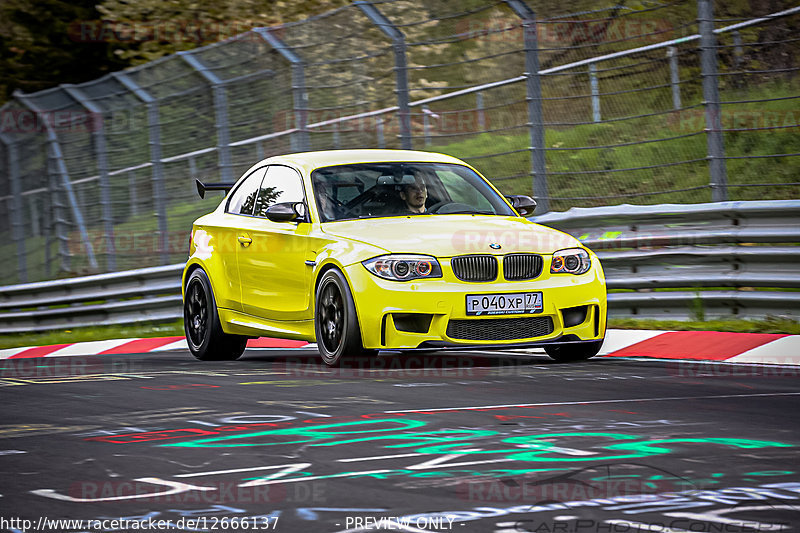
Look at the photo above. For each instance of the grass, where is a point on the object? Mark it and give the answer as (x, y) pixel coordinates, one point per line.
(171, 329)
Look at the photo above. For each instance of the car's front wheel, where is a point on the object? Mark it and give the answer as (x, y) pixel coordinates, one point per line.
(204, 334)
(335, 321)
(573, 352)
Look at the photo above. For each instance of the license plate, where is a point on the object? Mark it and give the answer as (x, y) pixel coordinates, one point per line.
(504, 304)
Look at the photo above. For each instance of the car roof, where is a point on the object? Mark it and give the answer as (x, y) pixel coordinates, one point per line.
(311, 160)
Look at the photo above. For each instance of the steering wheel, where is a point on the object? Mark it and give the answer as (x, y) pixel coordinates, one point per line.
(447, 206)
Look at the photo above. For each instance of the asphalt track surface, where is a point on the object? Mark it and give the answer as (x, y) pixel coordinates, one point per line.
(494, 441)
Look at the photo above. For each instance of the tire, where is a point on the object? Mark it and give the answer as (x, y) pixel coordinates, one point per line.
(564, 353)
(335, 321)
(204, 334)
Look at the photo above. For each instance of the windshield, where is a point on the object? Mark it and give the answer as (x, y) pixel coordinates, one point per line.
(398, 189)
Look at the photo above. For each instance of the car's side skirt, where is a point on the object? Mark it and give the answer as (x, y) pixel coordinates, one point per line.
(238, 323)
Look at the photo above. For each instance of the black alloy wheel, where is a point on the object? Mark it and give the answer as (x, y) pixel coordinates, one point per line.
(195, 311)
(204, 335)
(335, 322)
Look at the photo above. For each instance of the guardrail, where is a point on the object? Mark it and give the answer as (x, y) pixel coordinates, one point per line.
(664, 261)
(694, 261)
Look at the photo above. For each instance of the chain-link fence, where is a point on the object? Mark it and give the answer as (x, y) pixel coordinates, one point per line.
(658, 103)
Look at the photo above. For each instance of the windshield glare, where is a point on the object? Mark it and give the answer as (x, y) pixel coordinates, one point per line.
(399, 189)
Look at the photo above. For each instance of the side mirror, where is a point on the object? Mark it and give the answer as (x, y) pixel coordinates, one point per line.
(286, 212)
(525, 205)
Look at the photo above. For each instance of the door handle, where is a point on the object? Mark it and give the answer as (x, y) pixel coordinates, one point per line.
(244, 240)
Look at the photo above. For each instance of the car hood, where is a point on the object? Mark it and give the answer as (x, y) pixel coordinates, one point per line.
(451, 235)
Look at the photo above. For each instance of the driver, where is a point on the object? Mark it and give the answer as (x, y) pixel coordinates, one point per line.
(325, 203)
(415, 195)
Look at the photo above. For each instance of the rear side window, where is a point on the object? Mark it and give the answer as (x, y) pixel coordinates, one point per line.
(243, 199)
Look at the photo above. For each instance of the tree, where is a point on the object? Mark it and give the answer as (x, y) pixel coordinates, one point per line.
(145, 30)
(40, 49)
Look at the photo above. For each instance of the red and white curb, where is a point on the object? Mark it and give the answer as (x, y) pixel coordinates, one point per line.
(692, 345)
(135, 346)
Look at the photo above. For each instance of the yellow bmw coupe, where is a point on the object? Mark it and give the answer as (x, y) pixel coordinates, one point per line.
(368, 250)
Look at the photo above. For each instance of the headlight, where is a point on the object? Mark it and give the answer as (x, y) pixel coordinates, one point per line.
(404, 267)
(570, 261)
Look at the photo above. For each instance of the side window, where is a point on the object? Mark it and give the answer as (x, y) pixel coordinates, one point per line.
(281, 184)
(244, 197)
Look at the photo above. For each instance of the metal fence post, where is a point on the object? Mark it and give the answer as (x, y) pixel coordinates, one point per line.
(738, 50)
(58, 222)
(36, 230)
(61, 171)
(674, 77)
(99, 138)
(300, 139)
(534, 98)
(481, 113)
(16, 213)
(134, 197)
(379, 132)
(595, 92)
(426, 124)
(336, 137)
(154, 139)
(738, 58)
(400, 67)
(220, 113)
(711, 101)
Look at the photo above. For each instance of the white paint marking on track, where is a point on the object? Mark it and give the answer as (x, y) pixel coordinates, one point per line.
(258, 482)
(591, 402)
(88, 348)
(287, 469)
(376, 458)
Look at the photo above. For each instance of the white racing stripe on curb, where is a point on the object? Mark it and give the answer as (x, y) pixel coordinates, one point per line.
(177, 345)
(617, 339)
(5, 354)
(88, 348)
(784, 351)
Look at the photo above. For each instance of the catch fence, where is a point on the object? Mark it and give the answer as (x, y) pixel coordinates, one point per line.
(667, 102)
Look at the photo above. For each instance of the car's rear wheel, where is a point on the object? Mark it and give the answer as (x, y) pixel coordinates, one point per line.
(335, 321)
(204, 334)
(564, 353)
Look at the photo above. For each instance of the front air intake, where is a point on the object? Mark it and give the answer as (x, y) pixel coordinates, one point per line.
(502, 329)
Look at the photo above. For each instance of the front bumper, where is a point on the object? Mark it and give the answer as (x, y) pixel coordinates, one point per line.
(379, 301)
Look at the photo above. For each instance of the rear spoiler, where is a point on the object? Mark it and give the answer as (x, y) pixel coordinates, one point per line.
(203, 187)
